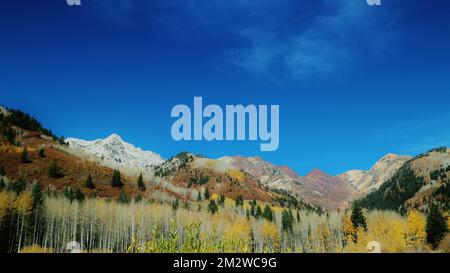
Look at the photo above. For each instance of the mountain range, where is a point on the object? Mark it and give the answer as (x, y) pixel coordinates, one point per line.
(394, 182)
(317, 188)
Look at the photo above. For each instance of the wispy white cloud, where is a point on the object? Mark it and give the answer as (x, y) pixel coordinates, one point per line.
(302, 37)
(312, 54)
(264, 49)
(330, 41)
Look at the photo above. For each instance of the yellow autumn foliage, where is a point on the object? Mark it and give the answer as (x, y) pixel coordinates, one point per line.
(239, 230)
(23, 203)
(210, 164)
(448, 220)
(416, 233)
(237, 237)
(269, 230)
(387, 228)
(4, 203)
(157, 228)
(229, 202)
(271, 237)
(5, 148)
(236, 174)
(324, 236)
(347, 228)
(445, 244)
(35, 249)
(215, 197)
(10, 149)
(277, 209)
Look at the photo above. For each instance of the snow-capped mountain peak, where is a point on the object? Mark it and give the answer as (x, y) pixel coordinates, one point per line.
(115, 150)
(114, 138)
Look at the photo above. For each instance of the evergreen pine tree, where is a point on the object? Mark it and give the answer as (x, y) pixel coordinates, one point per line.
(62, 141)
(175, 204)
(258, 212)
(222, 200)
(2, 183)
(268, 213)
(54, 171)
(79, 195)
(42, 153)
(212, 207)
(253, 205)
(239, 201)
(286, 221)
(89, 183)
(116, 180)
(436, 227)
(140, 183)
(358, 219)
(123, 198)
(11, 135)
(24, 156)
(18, 186)
(206, 194)
(36, 194)
(138, 197)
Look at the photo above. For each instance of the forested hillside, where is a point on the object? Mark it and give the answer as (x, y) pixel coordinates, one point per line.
(420, 183)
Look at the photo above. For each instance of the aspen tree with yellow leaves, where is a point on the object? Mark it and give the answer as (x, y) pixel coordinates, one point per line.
(23, 206)
(150, 225)
(4, 204)
(236, 238)
(416, 235)
(349, 230)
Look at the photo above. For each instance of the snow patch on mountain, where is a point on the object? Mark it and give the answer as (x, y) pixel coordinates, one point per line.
(115, 149)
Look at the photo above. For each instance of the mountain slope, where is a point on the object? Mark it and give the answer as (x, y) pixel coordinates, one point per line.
(193, 172)
(13, 122)
(331, 191)
(420, 182)
(363, 182)
(73, 171)
(114, 149)
(270, 175)
(317, 188)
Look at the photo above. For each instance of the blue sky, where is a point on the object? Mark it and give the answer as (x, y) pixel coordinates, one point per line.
(353, 82)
